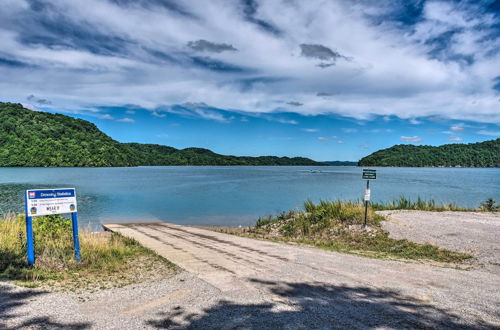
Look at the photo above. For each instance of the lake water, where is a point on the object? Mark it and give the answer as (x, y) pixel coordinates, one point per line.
(236, 195)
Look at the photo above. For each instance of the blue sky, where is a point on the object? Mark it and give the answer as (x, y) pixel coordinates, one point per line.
(330, 80)
(321, 137)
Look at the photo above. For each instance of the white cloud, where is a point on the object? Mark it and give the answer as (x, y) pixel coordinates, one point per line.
(414, 121)
(455, 138)
(284, 121)
(277, 119)
(210, 115)
(457, 128)
(323, 139)
(126, 120)
(310, 130)
(106, 117)
(340, 142)
(489, 133)
(411, 138)
(130, 112)
(266, 70)
(158, 114)
(350, 130)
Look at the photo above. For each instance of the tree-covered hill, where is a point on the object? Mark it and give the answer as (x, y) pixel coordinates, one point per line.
(153, 154)
(340, 163)
(31, 138)
(481, 154)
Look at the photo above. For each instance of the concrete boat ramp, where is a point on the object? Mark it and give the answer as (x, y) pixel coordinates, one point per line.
(348, 290)
(224, 261)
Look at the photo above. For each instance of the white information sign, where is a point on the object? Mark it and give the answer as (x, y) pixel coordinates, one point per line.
(50, 201)
(367, 194)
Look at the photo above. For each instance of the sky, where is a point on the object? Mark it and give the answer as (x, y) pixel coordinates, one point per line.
(329, 80)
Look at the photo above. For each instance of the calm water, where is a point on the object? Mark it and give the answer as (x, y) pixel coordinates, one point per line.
(235, 195)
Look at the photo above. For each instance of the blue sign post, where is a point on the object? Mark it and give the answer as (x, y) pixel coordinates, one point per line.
(39, 202)
(76, 241)
(29, 235)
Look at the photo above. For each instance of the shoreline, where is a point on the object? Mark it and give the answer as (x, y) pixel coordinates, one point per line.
(222, 165)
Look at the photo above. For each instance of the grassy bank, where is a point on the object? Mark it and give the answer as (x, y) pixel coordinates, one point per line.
(338, 226)
(404, 203)
(108, 260)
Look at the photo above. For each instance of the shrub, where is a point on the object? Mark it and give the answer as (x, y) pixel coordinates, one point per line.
(490, 205)
(264, 221)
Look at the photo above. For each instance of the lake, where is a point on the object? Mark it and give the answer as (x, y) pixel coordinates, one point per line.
(213, 195)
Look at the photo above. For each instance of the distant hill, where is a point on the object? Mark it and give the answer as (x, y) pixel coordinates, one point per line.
(340, 163)
(40, 139)
(481, 154)
(154, 155)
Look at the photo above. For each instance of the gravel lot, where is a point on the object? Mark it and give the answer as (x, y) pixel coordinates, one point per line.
(239, 283)
(476, 233)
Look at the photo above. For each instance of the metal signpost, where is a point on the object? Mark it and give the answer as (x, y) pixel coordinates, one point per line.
(40, 202)
(368, 174)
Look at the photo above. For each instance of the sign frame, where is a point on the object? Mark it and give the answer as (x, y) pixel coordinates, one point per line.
(56, 201)
(51, 201)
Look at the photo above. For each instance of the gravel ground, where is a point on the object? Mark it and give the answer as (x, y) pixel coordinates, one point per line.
(476, 233)
(249, 284)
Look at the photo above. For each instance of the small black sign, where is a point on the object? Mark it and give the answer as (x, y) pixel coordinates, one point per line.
(369, 174)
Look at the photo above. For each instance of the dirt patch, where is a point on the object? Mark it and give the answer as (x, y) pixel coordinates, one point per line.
(135, 264)
(143, 268)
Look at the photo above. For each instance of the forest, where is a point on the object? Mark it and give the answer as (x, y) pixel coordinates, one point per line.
(40, 139)
(481, 154)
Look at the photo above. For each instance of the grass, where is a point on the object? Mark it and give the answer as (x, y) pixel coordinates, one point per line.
(420, 204)
(108, 260)
(338, 226)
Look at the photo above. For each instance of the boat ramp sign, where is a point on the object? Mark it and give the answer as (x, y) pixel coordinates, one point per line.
(39, 202)
(367, 195)
(369, 174)
(50, 201)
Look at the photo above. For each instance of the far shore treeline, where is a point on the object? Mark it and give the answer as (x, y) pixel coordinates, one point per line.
(481, 154)
(40, 139)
